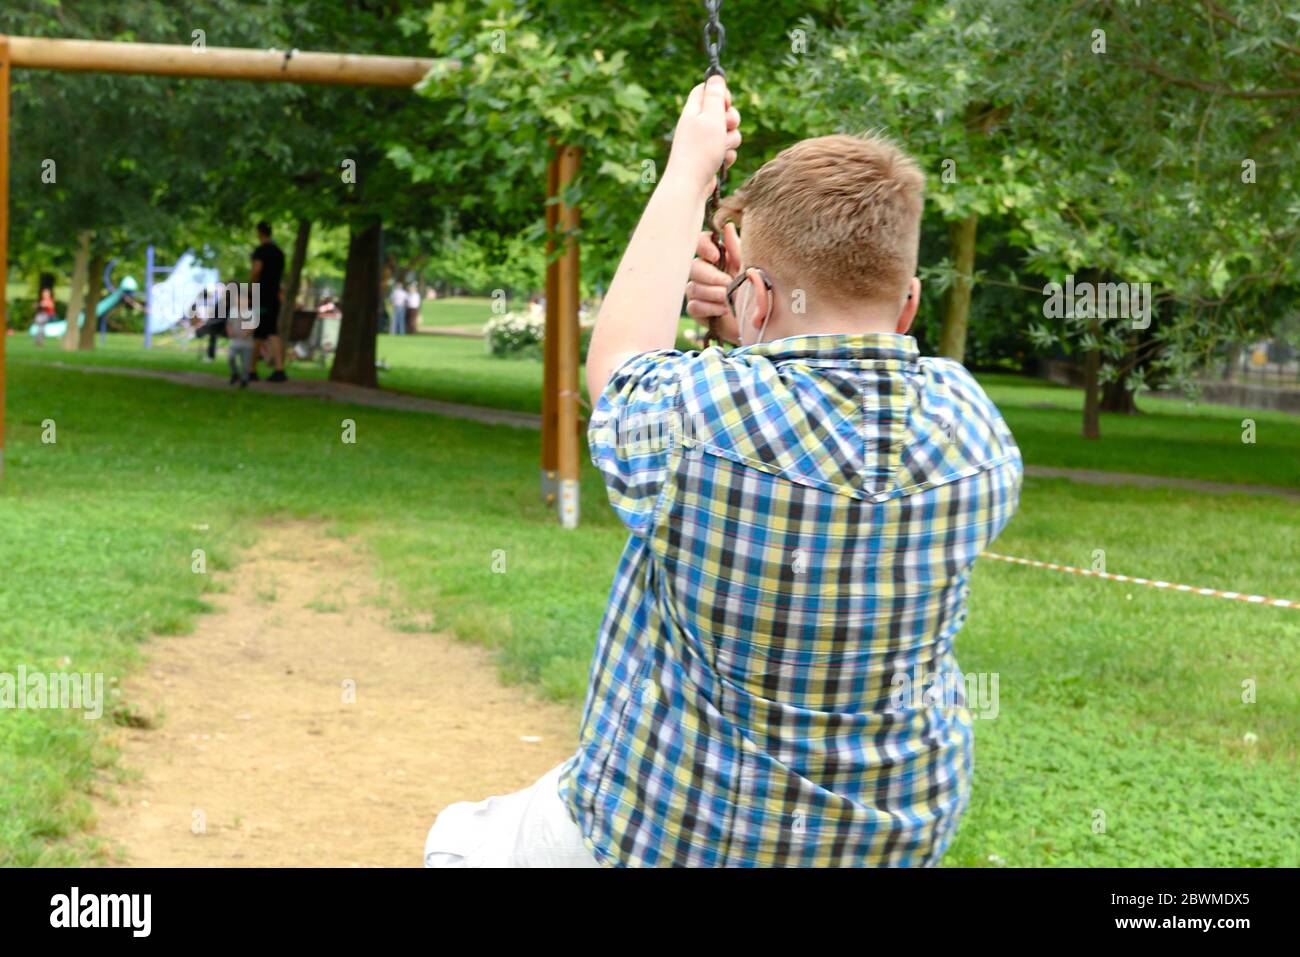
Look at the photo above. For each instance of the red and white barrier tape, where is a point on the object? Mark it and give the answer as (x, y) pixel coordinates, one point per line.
(1212, 592)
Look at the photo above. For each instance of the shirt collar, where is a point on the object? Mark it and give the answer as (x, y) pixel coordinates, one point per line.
(867, 345)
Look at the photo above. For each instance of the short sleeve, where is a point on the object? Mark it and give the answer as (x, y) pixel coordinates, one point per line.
(633, 430)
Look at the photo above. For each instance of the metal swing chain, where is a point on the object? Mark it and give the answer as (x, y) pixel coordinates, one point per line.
(715, 36)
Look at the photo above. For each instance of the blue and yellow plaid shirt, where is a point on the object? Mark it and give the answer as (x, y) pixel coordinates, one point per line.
(804, 517)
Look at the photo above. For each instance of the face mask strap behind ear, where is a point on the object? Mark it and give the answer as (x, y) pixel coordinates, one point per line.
(747, 300)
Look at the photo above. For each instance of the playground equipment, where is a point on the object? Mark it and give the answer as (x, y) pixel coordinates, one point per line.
(560, 397)
(561, 439)
(167, 302)
(129, 285)
(106, 305)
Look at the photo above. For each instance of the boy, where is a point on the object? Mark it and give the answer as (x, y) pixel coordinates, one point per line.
(240, 328)
(804, 513)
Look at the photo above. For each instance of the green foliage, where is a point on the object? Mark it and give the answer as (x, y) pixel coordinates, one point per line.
(481, 263)
(1109, 141)
(130, 158)
(1125, 163)
(608, 79)
(1077, 162)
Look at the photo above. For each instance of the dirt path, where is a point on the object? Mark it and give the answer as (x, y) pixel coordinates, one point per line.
(1095, 477)
(463, 332)
(255, 742)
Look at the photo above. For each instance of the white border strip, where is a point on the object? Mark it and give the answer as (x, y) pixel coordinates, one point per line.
(1171, 586)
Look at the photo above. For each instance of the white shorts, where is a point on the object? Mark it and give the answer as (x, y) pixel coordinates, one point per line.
(529, 828)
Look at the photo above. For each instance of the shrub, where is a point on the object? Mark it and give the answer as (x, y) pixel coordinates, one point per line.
(515, 335)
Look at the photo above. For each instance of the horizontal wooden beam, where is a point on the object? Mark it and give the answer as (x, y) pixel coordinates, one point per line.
(224, 63)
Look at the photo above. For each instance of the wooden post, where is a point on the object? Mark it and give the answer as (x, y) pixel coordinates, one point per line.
(4, 232)
(550, 342)
(567, 444)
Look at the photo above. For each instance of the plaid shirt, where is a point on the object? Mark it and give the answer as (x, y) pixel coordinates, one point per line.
(804, 517)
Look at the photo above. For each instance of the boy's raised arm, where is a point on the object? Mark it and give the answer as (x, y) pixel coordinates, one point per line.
(641, 309)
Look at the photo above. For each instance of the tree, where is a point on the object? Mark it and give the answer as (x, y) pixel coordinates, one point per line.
(104, 163)
(608, 78)
(330, 153)
(1161, 130)
(1102, 135)
(919, 72)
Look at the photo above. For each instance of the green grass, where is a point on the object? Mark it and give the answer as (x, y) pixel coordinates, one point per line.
(1175, 438)
(438, 367)
(1128, 700)
(100, 529)
(455, 311)
(1116, 699)
(1171, 438)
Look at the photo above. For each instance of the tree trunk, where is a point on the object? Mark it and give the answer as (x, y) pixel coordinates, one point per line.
(1117, 397)
(77, 291)
(354, 359)
(413, 319)
(1230, 363)
(294, 283)
(956, 309)
(385, 283)
(1091, 390)
(94, 292)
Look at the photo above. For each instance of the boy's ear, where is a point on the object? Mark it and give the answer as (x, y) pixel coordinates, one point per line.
(910, 305)
(760, 299)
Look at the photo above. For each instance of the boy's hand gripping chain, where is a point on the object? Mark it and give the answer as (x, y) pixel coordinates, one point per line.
(714, 38)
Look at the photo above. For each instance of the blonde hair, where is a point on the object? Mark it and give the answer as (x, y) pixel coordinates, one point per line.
(839, 216)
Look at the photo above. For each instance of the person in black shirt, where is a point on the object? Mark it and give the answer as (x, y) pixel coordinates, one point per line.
(268, 270)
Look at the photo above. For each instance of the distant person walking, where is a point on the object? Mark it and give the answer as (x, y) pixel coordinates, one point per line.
(267, 273)
(398, 301)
